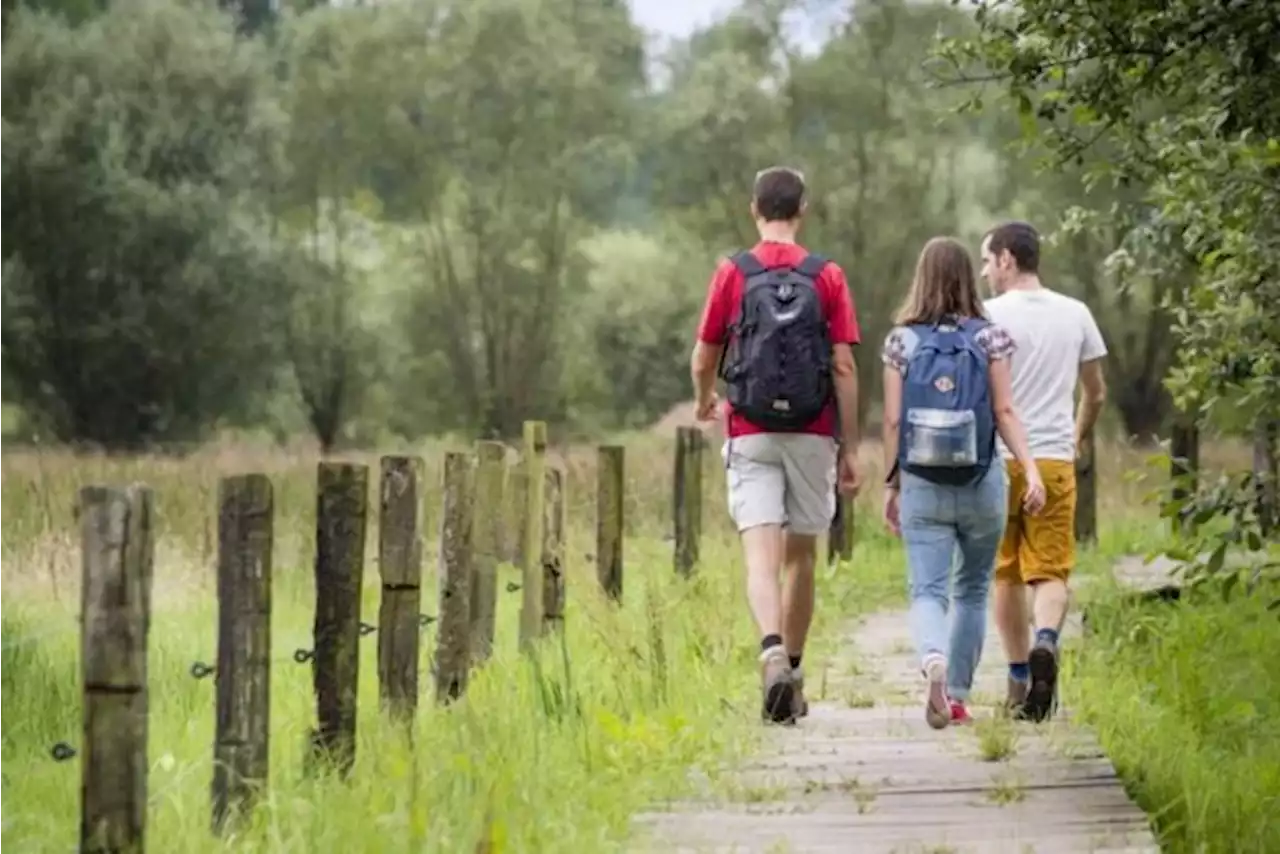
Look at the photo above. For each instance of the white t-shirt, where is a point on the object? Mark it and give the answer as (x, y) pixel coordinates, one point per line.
(1054, 334)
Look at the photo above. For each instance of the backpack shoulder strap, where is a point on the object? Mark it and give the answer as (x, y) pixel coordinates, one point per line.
(748, 263)
(811, 266)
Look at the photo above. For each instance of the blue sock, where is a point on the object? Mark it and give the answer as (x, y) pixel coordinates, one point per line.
(1050, 635)
(1020, 671)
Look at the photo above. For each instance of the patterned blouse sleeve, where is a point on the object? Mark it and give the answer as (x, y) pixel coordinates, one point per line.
(894, 352)
(998, 343)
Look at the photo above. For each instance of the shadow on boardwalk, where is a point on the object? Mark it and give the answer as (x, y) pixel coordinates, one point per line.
(864, 773)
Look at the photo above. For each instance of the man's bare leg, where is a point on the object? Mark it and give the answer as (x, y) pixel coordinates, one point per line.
(1052, 600)
(797, 592)
(801, 551)
(797, 605)
(1013, 619)
(763, 546)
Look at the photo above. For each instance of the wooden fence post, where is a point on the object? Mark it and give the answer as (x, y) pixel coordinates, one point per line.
(517, 511)
(487, 546)
(400, 566)
(610, 480)
(1086, 522)
(341, 511)
(535, 449)
(553, 585)
(1184, 468)
(115, 602)
(241, 749)
(1266, 471)
(687, 503)
(453, 647)
(840, 535)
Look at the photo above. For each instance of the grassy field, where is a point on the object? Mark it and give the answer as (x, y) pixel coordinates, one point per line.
(556, 757)
(1184, 697)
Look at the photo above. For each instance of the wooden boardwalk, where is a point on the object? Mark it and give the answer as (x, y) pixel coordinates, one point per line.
(865, 774)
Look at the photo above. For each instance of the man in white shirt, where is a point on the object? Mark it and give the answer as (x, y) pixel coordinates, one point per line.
(1059, 344)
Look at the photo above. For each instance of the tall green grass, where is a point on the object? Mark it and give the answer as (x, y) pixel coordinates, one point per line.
(1185, 697)
(556, 753)
(626, 711)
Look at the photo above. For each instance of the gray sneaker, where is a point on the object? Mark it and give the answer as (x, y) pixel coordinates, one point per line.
(777, 686)
(1016, 699)
(798, 702)
(937, 707)
(1044, 681)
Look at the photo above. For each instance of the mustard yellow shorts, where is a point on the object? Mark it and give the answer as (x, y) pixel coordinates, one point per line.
(1040, 547)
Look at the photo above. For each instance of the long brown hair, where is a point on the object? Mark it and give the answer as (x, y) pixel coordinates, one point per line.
(944, 285)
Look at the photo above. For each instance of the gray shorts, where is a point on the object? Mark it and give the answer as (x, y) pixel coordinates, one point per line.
(784, 479)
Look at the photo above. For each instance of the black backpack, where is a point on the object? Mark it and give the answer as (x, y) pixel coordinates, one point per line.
(777, 367)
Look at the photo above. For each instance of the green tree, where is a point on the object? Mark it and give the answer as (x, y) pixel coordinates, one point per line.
(1187, 97)
(138, 292)
(509, 124)
(887, 164)
(334, 93)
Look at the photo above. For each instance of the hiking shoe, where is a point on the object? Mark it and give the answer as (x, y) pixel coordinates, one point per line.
(777, 686)
(1044, 681)
(960, 713)
(1016, 699)
(937, 709)
(799, 705)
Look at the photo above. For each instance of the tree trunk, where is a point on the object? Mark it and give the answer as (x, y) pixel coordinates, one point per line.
(1144, 406)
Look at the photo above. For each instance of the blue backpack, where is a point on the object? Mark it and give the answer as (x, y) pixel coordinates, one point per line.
(947, 433)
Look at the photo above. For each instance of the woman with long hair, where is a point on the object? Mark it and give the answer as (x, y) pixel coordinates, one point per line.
(947, 392)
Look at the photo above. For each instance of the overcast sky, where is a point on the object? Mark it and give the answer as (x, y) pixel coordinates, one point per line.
(677, 17)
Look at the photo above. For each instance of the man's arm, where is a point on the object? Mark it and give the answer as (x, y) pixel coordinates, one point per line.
(845, 378)
(842, 326)
(704, 362)
(703, 365)
(1093, 383)
(1093, 395)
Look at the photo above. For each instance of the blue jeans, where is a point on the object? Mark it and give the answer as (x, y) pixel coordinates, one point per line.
(940, 524)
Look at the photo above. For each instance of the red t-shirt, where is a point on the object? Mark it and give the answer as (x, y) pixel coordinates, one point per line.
(724, 296)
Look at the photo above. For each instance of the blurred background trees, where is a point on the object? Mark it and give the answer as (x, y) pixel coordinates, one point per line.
(365, 221)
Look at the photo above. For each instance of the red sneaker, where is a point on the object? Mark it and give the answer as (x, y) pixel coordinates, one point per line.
(960, 714)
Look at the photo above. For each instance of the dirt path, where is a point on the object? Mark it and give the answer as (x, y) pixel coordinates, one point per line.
(865, 774)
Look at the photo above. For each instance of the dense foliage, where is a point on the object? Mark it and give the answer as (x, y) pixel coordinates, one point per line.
(410, 218)
(1184, 99)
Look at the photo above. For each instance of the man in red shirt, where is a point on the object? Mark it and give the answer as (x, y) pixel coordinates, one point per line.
(788, 323)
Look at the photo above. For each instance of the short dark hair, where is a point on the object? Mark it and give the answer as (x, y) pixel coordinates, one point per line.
(1022, 241)
(778, 193)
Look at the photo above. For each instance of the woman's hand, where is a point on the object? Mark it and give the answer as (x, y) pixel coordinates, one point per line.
(1034, 497)
(892, 513)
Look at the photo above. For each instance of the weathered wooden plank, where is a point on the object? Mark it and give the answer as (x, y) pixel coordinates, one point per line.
(400, 566)
(610, 490)
(115, 606)
(241, 749)
(687, 499)
(531, 606)
(869, 821)
(487, 547)
(553, 568)
(453, 647)
(516, 501)
(879, 779)
(342, 497)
